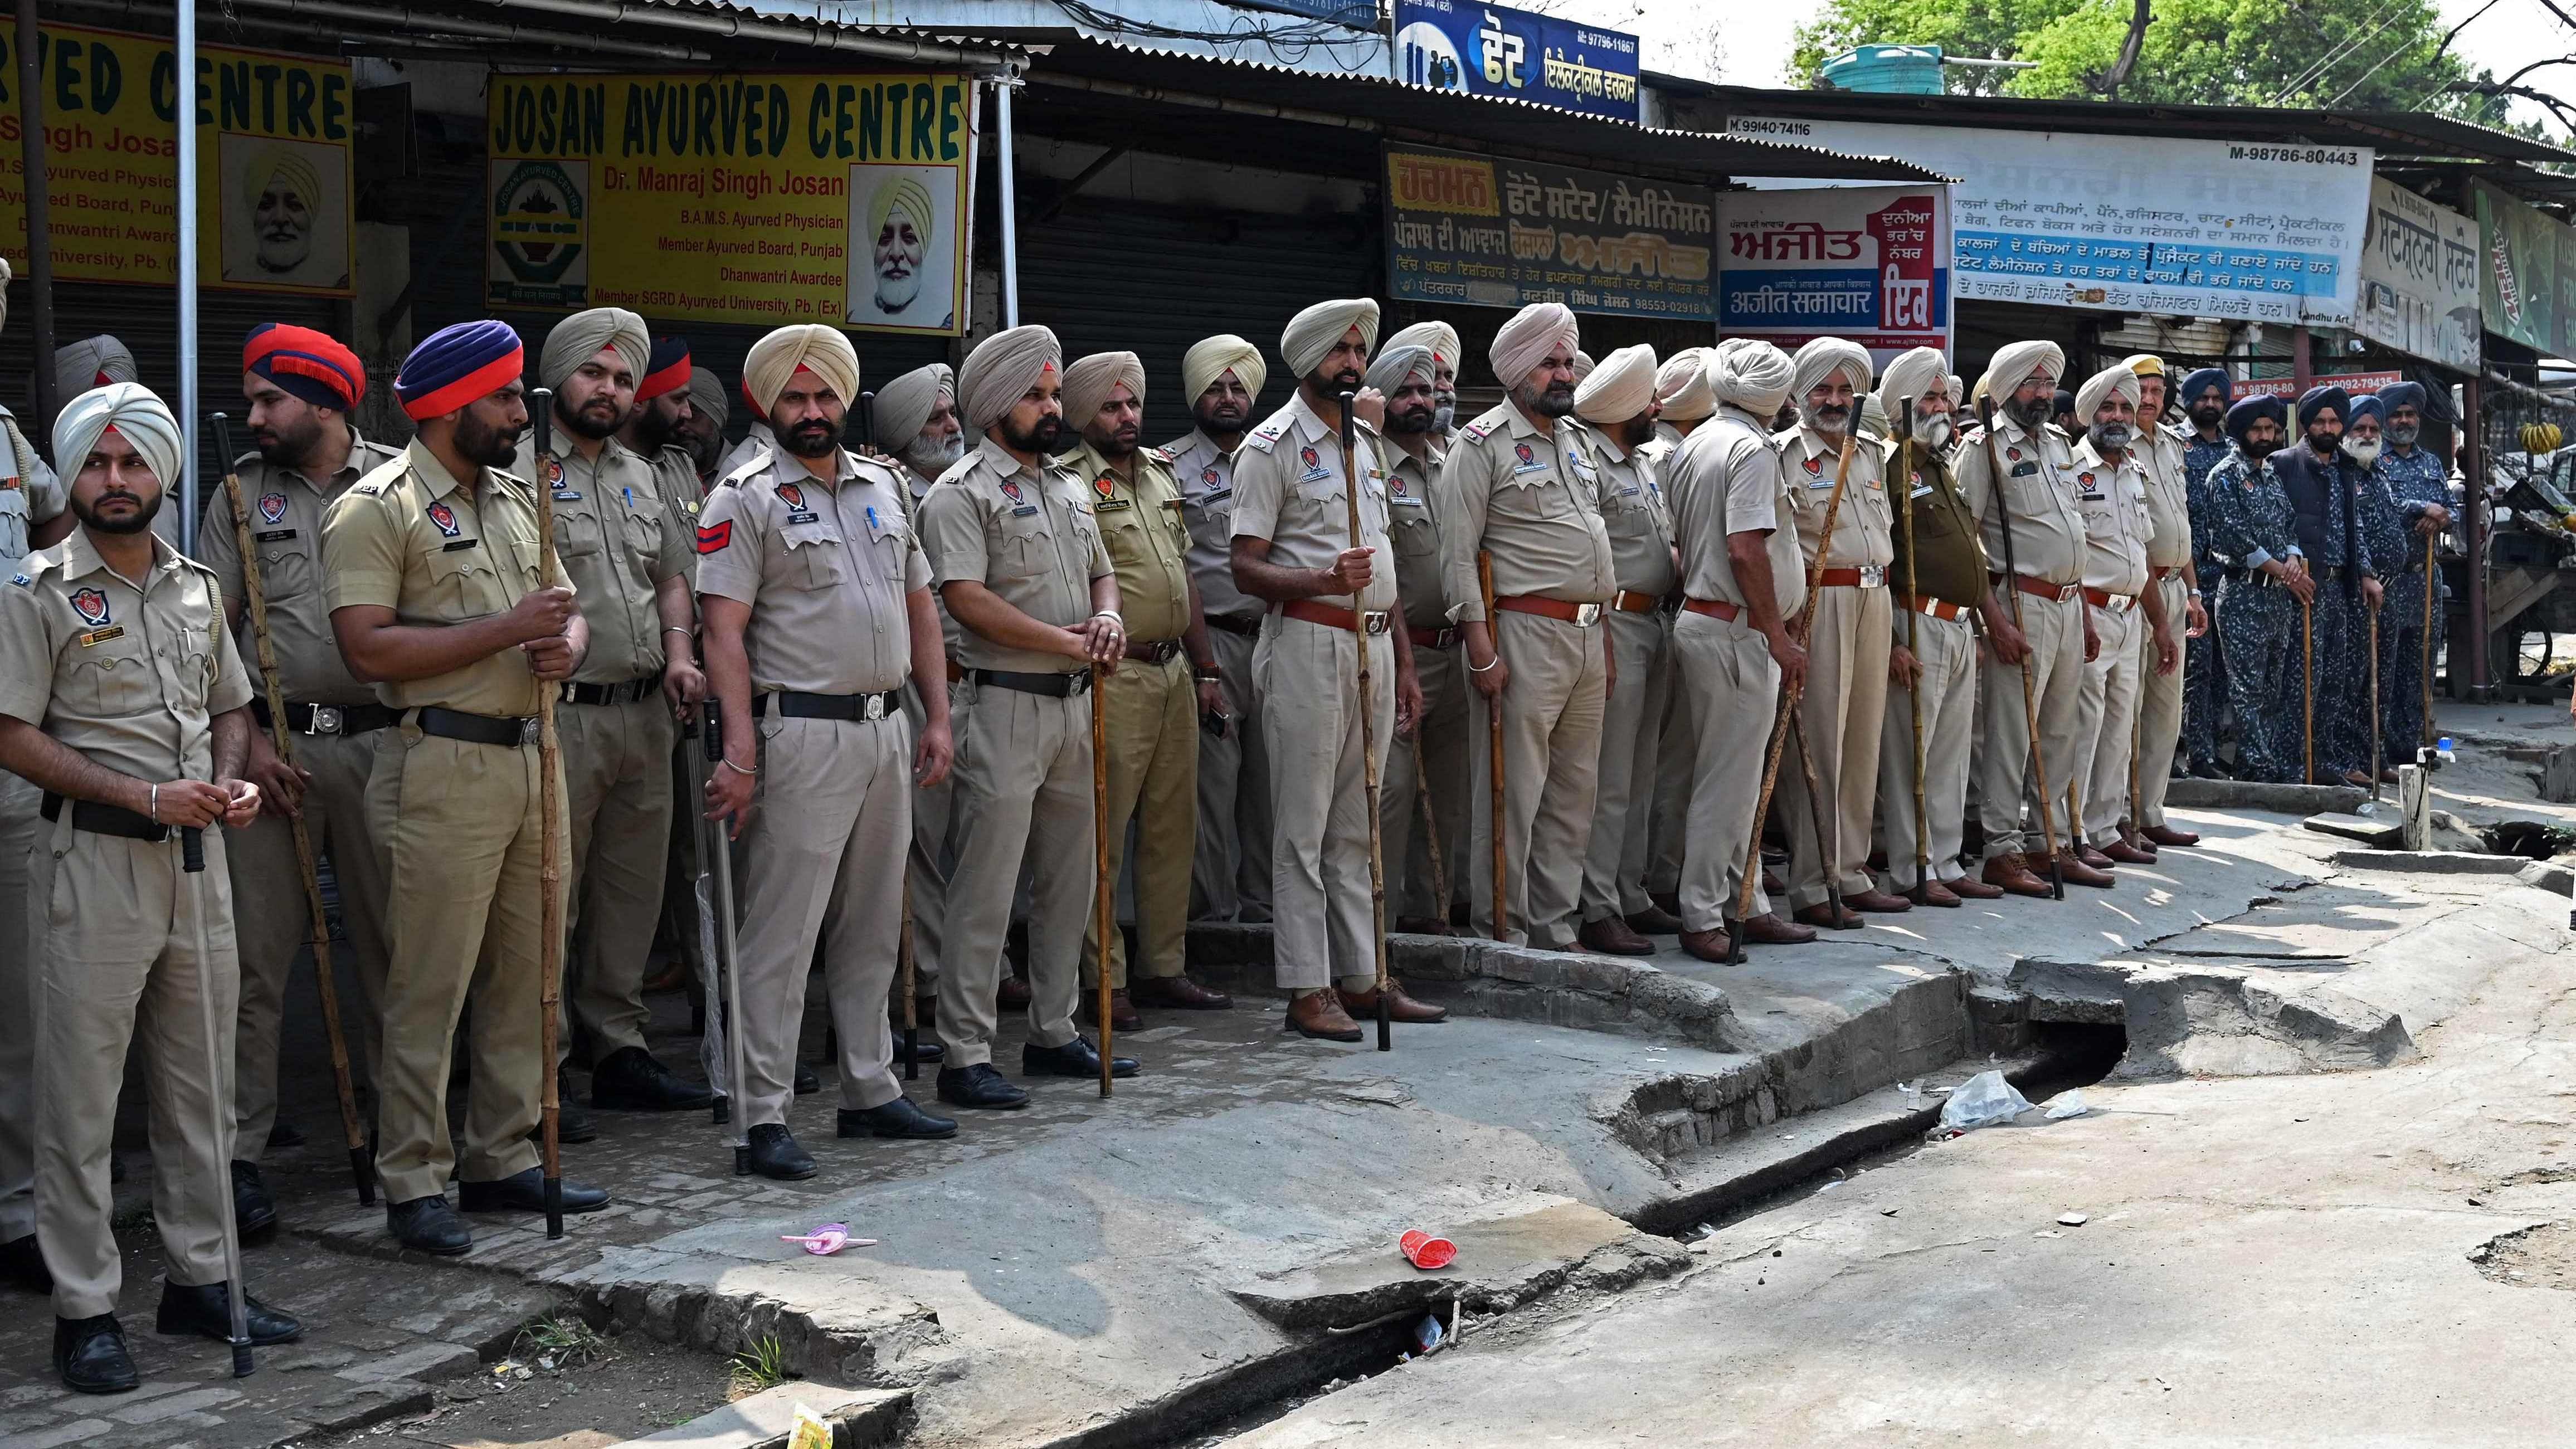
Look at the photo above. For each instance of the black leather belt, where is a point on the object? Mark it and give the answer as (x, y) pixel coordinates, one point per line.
(794, 704)
(103, 819)
(1158, 651)
(1248, 628)
(476, 729)
(329, 719)
(625, 692)
(1060, 686)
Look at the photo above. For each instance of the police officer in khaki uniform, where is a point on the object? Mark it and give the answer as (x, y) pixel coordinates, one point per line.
(1521, 486)
(627, 552)
(122, 697)
(818, 611)
(1230, 878)
(704, 430)
(2128, 615)
(1615, 408)
(1408, 377)
(300, 385)
(2170, 574)
(1683, 402)
(432, 566)
(1154, 703)
(1442, 340)
(1293, 547)
(1017, 552)
(657, 427)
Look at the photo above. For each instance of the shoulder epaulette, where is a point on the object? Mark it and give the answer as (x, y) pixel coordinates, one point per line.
(249, 457)
(1266, 436)
(1476, 431)
(755, 463)
(1160, 455)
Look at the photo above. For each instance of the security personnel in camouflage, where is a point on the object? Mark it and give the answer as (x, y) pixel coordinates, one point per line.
(2204, 400)
(2416, 489)
(2253, 535)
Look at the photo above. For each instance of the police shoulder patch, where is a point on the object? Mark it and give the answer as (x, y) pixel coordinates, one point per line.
(1266, 437)
(1477, 430)
(1160, 455)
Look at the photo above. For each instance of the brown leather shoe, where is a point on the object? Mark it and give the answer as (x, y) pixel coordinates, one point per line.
(1768, 929)
(2078, 872)
(1014, 995)
(1655, 921)
(1611, 936)
(1399, 1007)
(1878, 902)
(1822, 914)
(1772, 883)
(1968, 887)
(1176, 993)
(2124, 853)
(2167, 835)
(2011, 873)
(1318, 1014)
(1708, 945)
(2092, 857)
(1122, 1012)
(1937, 894)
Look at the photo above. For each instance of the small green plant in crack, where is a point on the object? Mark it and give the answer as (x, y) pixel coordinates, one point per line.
(762, 1364)
(558, 1341)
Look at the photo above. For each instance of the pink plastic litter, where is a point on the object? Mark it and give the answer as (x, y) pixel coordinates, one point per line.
(1425, 1251)
(827, 1240)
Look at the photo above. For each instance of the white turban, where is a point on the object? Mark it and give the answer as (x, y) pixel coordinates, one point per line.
(1397, 366)
(91, 362)
(137, 415)
(1583, 365)
(818, 349)
(1440, 337)
(1815, 364)
(1681, 385)
(1873, 415)
(1210, 358)
(2014, 365)
(1320, 328)
(1620, 388)
(1958, 391)
(578, 338)
(1001, 370)
(1750, 374)
(1915, 373)
(707, 395)
(1089, 381)
(1524, 342)
(2119, 379)
(904, 405)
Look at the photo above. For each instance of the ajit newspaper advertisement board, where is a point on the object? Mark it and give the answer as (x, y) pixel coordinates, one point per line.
(1502, 233)
(273, 137)
(1871, 263)
(2419, 278)
(1494, 50)
(763, 199)
(2244, 231)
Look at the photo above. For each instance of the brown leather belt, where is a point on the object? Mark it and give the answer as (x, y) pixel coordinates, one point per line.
(1580, 615)
(1937, 608)
(2158, 573)
(1158, 651)
(1868, 576)
(1629, 601)
(1248, 628)
(2041, 589)
(1331, 617)
(1433, 638)
(2105, 599)
(1714, 608)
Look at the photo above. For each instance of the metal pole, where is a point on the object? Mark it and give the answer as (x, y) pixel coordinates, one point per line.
(40, 241)
(2473, 533)
(1002, 88)
(187, 208)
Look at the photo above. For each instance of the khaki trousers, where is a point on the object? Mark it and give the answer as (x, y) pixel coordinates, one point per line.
(1947, 650)
(616, 763)
(1632, 747)
(680, 863)
(2105, 714)
(2006, 785)
(1551, 765)
(1840, 713)
(934, 810)
(1734, 687)
(1023, 789)
(1439, 744)
(1230, 878)
(460, 832)
(2160, 705)
(121, 965)
(1675, 768)
(1319, 884)
(274, 922)
(1153, 772)
(835, 811)
(22, 945)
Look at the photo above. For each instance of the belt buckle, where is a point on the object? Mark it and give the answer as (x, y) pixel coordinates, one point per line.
(1375, 621)
(1586, 615)
(876, 708)
(1081, 682)
(1873, 576)
(326, 720)
(528, 730)
(1445, 639)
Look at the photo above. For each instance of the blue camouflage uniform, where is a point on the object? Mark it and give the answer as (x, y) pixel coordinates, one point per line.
(2406, 484)
(2251, 524)
(2203, 699)
(2325, 496)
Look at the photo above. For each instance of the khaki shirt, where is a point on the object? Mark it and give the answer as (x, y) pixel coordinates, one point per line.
(1633, 512)
(130, 678)
(1534, 500)
(410, 538)
(2117, 524)
(286, 511)
(1288, 490)
(1863, 522)
(675, 481)
(30, 493)
(1727, 479)
(1414, 532)
(619, 540)
(2168, 504)
(916, 487)
(1947, 563)
(1025, 533)
(1140, 523)
(824, 569)
(1206, 475)
(2039, 492)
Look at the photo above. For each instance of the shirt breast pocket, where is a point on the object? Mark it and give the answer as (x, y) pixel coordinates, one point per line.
(1531, 500)
(112, 680)
(644, 530)
(577, 534)
(463, 583)
(1026, 549)
(815, 559)
(1128, 547)
(1413, 536)
(286, 568)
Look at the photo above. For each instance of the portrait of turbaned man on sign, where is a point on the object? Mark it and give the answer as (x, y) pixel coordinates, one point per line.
(285, 212)
(906, 241)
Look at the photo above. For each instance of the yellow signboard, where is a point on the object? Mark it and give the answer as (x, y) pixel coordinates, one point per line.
(273, 132)
(734, 198)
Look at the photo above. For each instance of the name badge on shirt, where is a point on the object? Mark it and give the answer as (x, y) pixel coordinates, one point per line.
(458, 545)
(1525, 459)
(2025, 470)
(795, 518)
(275, 535)
(567, 495)
(102, 636)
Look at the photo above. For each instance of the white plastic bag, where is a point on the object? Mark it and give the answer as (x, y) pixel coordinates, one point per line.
(1982, 1101)
(2068, 1104)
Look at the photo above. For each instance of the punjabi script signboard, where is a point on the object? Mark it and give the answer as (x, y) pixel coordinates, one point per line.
(1501, 233)
(2419, 278)
(1870, 263)
(1495, 50)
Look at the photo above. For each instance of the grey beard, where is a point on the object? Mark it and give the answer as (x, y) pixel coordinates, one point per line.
(1933, 433)
(1444, 417)
(2404, 437)
(2029, 414)
(2112, 437)
(933, 459)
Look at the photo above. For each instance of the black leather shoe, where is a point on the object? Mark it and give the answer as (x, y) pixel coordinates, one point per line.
(774, 1153)
(206, 1310)
(630, 1080)
(283, 1133)
(925, 1047)
(980, 1086)
(429, 1225)
(898, 1118)
(90, 1355)
(807, 1084)
(525, 1192)
(1076, 1058)
(23, 1263)
(253, 1212)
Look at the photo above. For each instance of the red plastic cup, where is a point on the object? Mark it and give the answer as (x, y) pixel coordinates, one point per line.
(1425, 1251)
